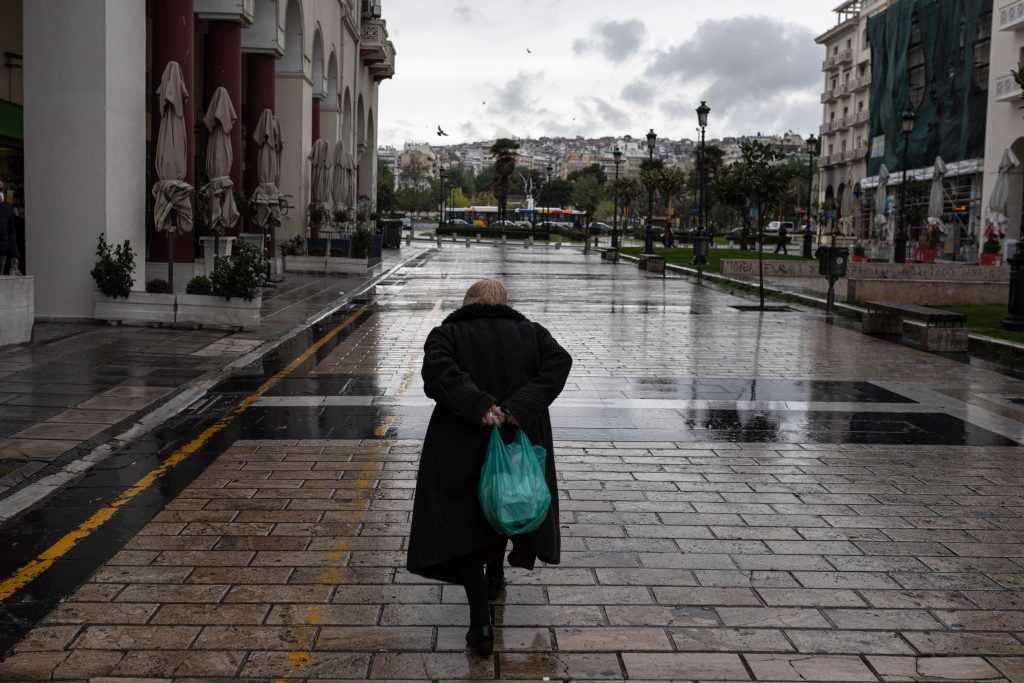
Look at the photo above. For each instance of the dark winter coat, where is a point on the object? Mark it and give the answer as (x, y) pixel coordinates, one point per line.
(8, 233)
(480, 356)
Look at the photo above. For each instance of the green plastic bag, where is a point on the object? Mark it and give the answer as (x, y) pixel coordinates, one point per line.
(513, 491)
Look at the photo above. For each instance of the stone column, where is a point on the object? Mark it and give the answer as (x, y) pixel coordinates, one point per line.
(224, 69)
(85, 161)
(259, 93)
(173, 41)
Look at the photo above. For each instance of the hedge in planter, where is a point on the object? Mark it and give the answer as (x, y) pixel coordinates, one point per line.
(232, 297)
(115, 301)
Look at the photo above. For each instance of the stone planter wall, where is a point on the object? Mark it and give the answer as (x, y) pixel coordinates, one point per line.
(214, 311)
(334, 265)
(141, 308)
(17, 309)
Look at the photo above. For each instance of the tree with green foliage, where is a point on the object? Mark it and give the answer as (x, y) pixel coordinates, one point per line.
(594, 170)
(629, 190)
(670, 183)
(415, 187)
(504, 152)
(731, 194)
(385, 188)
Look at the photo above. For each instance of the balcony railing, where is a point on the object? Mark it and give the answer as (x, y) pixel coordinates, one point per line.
(859, 117)
(840, 57)
(855, 84)
(377, 51)
(1011, 16)
(1007, 89)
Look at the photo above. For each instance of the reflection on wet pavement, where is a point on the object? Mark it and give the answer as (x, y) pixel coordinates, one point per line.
(742, 496)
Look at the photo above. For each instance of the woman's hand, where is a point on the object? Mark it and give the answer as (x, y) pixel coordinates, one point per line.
(509, 417)
(493, 417)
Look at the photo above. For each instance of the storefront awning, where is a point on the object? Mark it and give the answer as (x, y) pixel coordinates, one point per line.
(11, 125)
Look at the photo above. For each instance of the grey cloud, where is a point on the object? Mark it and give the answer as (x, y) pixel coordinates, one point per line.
(609, 114)
(616, 40)
(639, 92)
(464, 11)
(516, 95)
(751, 65)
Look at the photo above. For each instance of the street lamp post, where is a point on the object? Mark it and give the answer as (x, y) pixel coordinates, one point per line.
(440, 216)
(702, 239)
(812, 151)
(617, 155)
(652, 140)
(900, 240)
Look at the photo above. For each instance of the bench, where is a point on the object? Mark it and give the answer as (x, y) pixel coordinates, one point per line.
(652, 263)
(943, 331)
(610, 255)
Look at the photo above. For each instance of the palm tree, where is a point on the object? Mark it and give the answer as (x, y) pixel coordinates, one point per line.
(503, 151)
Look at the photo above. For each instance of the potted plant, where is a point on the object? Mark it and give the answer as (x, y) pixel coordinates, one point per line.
(114, 300)
(859, 253)
(991, 252)
(928, 244)
(234, 300)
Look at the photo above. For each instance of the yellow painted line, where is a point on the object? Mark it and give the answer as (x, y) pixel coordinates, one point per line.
(29, 572)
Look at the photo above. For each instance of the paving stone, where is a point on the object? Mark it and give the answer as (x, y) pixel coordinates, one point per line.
(429, 666)
(219, 663)
(559, 665)
(808, 668)
(383, 638)
(696, 665)
(505, 639)
(609, 639)
(850, 642)
(939, 643)
(318, 665)
(933, 668)
(137, 637)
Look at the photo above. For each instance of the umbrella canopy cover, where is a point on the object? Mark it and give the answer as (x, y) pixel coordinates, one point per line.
(881, 194)
(267, 196)
(219, 120)
(936, 198)
(339, 179)
(320, 173)
(997, 218)
(172, 209)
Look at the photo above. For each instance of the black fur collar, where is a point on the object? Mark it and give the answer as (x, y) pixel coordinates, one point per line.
(483, 311)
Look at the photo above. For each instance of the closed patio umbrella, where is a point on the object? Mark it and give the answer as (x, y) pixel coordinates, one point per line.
(267, 197)
(338, 180)
(172, 210)
(219, 189)
(997, 203)
(320, 177)
(936, 198)
(846, 209)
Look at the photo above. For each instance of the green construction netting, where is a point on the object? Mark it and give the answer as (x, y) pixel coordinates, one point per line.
(951, 114)
(10, 120)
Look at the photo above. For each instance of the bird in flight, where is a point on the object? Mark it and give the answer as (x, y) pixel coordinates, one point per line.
(529, 51)
(440, 131)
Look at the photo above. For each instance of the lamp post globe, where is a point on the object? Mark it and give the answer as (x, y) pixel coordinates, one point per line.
(812, 151)
(652, 140)
(702, 239)
(617, 156)
(900, 240)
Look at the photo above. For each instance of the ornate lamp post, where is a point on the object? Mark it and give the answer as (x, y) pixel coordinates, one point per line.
(900, 240)
(617, 155)
(652, 140)
(702, 240)
(812, 151)
(440, 216)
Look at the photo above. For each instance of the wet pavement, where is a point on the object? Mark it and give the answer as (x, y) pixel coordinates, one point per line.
(744, 496)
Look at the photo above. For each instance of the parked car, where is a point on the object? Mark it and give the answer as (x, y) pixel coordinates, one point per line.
(600, 227)
(504, 224)
(406, 224)
(457, 222)
(524, 224)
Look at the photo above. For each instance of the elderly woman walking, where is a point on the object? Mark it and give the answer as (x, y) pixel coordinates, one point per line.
(485, 366)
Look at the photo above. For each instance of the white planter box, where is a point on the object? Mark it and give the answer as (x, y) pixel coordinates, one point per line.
(305, 264)
(139, 307)
(215, 311)
(348, 266)
(17, 309)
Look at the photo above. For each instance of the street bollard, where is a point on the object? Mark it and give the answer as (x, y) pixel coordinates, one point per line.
(558, 245)
(438, 241)
(478, 238)
(503, 239)
(467, 243)
(408, 240)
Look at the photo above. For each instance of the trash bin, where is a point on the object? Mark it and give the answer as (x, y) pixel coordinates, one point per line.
(392, 233)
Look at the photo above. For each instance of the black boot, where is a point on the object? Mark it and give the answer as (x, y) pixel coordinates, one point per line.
(481, 639)
(496, 586)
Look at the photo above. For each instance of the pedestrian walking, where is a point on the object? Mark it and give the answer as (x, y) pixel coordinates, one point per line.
(486, 365)
(783, 239)
(8, 234)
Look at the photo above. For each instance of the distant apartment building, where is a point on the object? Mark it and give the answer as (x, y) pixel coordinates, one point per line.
(887, 57)
(419, 154)
(1005, 127)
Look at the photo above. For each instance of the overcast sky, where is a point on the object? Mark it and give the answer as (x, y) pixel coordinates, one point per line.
(601, 67)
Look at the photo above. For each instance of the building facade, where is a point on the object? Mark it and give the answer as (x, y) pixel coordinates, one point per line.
(90, 117)
(1005, 118)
